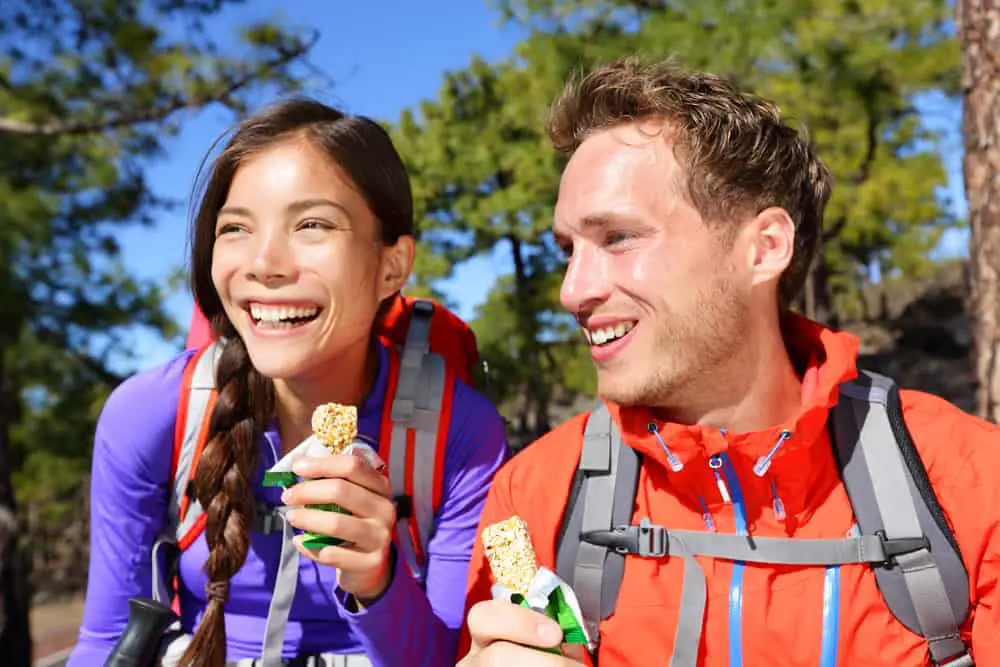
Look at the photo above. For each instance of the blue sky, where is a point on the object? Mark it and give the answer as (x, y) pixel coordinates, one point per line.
(383, 57)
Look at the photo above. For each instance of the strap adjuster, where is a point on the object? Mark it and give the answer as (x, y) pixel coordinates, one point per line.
(961, 660)
(647, 540)
(423, 307)
(898, 546)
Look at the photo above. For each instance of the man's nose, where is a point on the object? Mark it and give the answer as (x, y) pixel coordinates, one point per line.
(586, 282)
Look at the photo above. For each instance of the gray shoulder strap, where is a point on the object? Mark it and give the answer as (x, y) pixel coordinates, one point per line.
(928, 589)
(416, 415)
(607, 476)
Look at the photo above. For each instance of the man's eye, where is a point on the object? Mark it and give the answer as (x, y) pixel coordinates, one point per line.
(614, 238)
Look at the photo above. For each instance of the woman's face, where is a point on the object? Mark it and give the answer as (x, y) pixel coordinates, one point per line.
(298, 262)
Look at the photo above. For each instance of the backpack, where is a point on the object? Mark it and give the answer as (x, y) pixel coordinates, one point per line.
(428, 347)
(901, 530)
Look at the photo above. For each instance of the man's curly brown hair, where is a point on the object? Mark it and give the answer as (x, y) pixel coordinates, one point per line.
(738, 155)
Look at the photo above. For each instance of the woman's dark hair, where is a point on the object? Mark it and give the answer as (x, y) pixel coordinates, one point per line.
(222, 483)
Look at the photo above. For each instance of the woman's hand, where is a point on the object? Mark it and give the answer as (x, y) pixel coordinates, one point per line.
(363, 567)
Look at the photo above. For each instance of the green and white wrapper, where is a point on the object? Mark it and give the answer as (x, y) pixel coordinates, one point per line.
(281, 475)
(550, 595)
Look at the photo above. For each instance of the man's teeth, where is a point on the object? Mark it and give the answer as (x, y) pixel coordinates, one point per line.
(263, 313)
(608, 334)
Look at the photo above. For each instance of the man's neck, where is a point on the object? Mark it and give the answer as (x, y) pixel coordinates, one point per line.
(345, 380)
(760, 390)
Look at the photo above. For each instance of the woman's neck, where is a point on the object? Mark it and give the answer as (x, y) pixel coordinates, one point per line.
(345, 380)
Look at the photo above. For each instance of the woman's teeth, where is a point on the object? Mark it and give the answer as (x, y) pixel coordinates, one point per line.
(282, 316)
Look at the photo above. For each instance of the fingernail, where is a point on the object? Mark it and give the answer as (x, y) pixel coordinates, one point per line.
(290, 516)
(550, 633)
(286, 496)
(301, 467)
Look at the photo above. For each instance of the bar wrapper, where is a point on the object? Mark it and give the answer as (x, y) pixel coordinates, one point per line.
(521, 581)
(335, 430)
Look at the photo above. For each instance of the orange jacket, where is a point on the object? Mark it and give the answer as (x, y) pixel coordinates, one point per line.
(782, 606)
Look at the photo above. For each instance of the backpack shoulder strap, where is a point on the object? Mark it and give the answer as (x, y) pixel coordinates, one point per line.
(184, 518)
(415, 436)
(195, 406)
(602, 497)
(928, 589)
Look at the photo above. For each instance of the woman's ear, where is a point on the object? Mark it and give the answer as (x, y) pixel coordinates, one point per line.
(397, 263)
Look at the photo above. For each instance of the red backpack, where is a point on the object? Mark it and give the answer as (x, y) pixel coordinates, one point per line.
(428, 345)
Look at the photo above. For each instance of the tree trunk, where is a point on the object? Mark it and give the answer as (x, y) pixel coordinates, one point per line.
(978, 24)
(534, 414)
(15, 633)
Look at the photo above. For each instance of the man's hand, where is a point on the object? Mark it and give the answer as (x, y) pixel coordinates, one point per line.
(505, 634)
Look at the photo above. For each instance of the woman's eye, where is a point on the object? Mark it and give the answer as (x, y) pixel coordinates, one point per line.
(313, 223)
(229, 228)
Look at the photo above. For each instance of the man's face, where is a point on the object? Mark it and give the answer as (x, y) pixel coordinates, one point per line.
(661, 297)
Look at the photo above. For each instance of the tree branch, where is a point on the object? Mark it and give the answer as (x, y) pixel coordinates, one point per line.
(156, 114)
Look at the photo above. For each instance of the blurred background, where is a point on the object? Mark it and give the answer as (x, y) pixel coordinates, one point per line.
(108, 107)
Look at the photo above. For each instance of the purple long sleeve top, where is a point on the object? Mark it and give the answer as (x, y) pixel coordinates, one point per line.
(129, 498)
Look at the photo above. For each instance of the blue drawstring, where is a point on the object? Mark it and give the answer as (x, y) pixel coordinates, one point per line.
(675, 463)
(706, 515)
(763, 463)
(779, 507)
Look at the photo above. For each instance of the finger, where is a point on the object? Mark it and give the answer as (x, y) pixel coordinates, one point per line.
(505, 654)
(575, 652)
(343, 466)
(496, 620)
(356, 499)
(364, 534)
(344, 558)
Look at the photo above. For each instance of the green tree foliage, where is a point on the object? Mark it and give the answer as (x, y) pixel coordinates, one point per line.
(484, 181)
(851, 73)
(88, 93)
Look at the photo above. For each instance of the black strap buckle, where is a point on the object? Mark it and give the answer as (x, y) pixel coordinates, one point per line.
(898, 546)
(423, 307)
(647, 540)
(404, 507)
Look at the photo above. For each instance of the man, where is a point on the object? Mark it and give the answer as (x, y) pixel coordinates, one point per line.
(690, 215)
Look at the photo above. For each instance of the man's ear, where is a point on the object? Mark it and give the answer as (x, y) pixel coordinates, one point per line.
(772, 244)
(397, 262)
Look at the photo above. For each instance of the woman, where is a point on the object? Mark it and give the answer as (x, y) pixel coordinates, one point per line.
(303, 233)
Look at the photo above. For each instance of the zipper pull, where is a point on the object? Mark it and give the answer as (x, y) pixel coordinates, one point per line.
(715, 463)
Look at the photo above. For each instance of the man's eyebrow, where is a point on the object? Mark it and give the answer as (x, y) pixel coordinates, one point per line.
(597, 221)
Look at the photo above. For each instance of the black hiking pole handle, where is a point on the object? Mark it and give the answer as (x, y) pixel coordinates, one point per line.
(139, 645)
